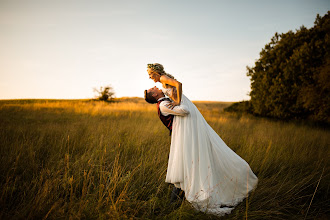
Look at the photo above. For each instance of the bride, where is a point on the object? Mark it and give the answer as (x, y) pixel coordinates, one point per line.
(213, 177)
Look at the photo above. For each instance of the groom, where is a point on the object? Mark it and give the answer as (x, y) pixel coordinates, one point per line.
(166, 114)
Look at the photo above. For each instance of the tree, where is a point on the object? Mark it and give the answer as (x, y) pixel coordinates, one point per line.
(105, 93)
(291, 77)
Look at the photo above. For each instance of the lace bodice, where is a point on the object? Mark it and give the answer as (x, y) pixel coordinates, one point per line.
(170, 92)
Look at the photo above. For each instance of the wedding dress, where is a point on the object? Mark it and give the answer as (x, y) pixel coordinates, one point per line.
(203, 166)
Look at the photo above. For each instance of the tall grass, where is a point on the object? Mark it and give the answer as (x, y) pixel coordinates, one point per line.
(94, 160)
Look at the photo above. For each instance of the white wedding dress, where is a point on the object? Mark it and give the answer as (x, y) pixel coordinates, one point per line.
(204, 167)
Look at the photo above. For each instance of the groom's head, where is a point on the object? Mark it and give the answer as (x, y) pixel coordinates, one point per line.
(153, 94)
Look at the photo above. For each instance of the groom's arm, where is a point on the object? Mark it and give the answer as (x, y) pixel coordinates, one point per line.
(179, 110)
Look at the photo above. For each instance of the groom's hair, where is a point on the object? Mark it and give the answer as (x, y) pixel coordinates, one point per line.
(149, 98)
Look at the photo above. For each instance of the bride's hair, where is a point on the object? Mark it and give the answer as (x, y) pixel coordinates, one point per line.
(158, 68)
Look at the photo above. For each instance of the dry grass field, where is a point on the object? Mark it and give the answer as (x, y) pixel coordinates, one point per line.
(81, 159)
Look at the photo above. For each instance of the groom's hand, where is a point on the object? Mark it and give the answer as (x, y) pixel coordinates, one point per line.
(171, 105)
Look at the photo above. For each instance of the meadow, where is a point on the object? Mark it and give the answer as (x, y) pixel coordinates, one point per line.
(83, 159)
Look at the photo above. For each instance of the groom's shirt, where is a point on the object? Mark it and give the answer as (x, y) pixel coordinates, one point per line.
(166, 114)
(179, 110)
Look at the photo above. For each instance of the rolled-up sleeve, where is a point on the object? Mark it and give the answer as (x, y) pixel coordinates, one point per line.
(180, 110)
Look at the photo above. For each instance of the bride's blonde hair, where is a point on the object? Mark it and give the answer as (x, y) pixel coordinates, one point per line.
(158, 68)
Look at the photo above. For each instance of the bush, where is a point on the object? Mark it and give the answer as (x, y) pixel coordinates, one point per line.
(243, 106)
(105, 93)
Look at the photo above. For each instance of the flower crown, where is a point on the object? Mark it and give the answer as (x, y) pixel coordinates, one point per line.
(155, 67)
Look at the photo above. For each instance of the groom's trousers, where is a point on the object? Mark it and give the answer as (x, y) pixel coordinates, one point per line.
(177, 193)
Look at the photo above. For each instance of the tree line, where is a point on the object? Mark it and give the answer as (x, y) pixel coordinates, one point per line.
(291, 79)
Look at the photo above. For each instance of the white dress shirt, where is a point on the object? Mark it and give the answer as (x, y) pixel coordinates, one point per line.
(179, 110)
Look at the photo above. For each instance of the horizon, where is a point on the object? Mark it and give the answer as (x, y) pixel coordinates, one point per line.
(95, 99)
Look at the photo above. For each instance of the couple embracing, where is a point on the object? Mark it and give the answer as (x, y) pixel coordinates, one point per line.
(213, 177)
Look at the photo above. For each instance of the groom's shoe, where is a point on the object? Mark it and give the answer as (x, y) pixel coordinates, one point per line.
(177, 193)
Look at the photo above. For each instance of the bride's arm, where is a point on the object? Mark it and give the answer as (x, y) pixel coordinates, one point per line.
(172, 82)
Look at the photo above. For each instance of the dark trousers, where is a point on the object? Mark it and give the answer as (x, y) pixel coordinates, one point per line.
(177, 193)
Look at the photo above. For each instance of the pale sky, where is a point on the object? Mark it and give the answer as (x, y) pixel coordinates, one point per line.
(65, 48)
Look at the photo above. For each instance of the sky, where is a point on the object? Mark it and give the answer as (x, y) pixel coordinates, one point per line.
(63, 49)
